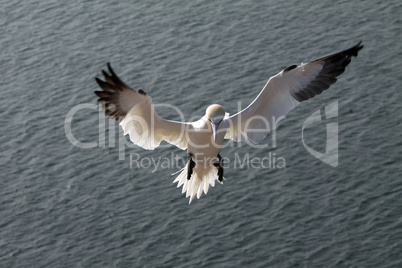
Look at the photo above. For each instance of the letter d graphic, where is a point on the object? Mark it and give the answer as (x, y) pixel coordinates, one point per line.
(331, 149)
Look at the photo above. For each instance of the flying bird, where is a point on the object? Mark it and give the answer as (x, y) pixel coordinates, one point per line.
(204, 138)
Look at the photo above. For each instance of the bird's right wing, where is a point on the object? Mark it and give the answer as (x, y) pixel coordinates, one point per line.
(136, 114)
(285, 91)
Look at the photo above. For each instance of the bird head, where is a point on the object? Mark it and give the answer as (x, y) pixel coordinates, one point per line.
(215, 114)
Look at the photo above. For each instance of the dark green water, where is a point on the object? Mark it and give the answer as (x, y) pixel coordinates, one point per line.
(66, 206)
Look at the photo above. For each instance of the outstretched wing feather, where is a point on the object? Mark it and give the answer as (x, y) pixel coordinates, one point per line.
(285, 91)
(136, 114)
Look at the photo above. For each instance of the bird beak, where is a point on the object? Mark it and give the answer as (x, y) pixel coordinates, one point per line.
(215, 127)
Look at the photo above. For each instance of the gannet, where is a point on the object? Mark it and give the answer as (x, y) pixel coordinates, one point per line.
(204, 138)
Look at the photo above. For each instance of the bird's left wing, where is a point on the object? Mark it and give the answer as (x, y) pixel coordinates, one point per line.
(136, 114)
(285, 91)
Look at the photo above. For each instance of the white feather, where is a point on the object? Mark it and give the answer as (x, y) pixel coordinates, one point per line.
(200, 181)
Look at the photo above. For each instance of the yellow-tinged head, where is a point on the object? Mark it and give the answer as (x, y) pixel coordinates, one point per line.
(215, 113)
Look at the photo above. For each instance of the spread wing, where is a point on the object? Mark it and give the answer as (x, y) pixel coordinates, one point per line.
(285, 91)
(136, 114)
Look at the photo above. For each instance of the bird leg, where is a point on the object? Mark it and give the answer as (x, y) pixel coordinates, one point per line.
(219, 165)
(190, 166)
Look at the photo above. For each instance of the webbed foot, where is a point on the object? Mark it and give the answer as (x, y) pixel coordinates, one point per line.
(190, 166)
(219, 165)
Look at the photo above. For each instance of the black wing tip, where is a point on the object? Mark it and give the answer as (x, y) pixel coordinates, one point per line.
(111, 90)
(106, 86)
(113, 78)
(105, 74)
(102, 84)
(359, 45)
(98, 93)
(347, 53)
(111, 71)
(334, 65)
(353, 51)
(99, 81)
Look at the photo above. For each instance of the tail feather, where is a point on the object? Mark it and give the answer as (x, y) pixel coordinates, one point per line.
(199, 182)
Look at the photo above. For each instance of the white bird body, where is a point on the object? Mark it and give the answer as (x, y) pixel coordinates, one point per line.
(204, 150)
(204, 138)
(200, 142)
